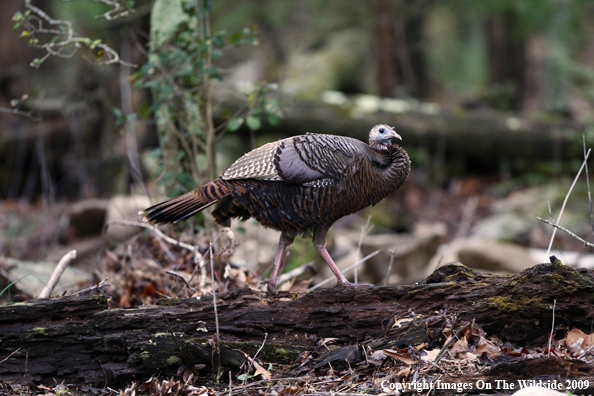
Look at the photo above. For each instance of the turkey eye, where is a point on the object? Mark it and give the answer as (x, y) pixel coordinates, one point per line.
(382, 130)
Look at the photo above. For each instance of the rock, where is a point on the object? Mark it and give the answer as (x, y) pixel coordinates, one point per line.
(87, 217)
(125, 207)
(483, 254)
(412, 252)
(30, 277)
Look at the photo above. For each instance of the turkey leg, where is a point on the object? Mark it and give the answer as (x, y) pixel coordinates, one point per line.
(286, 240)
(319, 241)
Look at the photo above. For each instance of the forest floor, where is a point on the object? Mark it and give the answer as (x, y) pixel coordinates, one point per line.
(136, 273)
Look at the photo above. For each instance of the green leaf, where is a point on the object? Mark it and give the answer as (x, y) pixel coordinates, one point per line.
(165, 179)
(144, 111)
(158, 170)
(234, 123)
(180, 155)
(253, 123)
(216, 54)
(236, 39)
(155, 153)
(241, 230)
(273, 120)
(131, 117)
(185, 179)
(218, 40)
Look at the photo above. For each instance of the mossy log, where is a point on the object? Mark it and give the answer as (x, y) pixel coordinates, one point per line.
(82, 341)
(481, 140)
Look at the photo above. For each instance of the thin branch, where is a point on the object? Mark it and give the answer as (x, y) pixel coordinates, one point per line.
(153, 228)
(389, 271)
(182, 278)
(358, 263)
(365, 230)
(588, 184)
(98, 287)
(589, 244)
(28, 114)
(70, 38)
(58, 271)
(296, 272)
(8, 357)
(565, 202)
(552, 327)
(217, 346)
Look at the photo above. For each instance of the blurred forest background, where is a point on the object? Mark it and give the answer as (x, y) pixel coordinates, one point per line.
(144, 99)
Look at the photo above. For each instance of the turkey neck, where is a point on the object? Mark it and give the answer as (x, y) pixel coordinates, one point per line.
(393, 166)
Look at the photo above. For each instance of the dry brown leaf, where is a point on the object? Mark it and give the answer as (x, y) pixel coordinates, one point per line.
(403, 373)
(261, 371)
(574, 336)
(490, 349)
(460, 346)
(486, 346)
(430, 355)
(400, 357)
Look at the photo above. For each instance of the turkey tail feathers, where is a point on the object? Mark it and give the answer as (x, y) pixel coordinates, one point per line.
(184, 206)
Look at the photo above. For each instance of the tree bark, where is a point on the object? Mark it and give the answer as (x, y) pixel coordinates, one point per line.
(81, 341)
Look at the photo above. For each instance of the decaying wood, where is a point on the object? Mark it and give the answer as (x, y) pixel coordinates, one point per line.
(81, 340)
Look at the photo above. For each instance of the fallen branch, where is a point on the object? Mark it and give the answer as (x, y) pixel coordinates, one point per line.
(57, 274)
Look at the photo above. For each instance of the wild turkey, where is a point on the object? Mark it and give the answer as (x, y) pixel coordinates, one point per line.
(299, 184)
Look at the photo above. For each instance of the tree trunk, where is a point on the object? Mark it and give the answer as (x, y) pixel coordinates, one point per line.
(81, 341)
(507, 62)
(385, 48)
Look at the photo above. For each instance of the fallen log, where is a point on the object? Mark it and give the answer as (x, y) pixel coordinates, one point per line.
(82, 341)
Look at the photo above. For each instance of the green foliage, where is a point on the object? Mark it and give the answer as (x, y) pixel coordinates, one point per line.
(183, 62)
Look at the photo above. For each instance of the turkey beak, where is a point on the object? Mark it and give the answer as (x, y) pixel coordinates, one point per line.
(393, 135)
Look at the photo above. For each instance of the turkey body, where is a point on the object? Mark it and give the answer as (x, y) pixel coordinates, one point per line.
(303, 183)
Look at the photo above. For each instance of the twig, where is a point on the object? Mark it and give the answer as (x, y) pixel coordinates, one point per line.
(565, 201)
(296, 272)
(182, 278)
(467, 217)
(586, 243)
(184, 357)
(67, 38)
(448, 343)
(28, 114)
(588, 184)
(261, 346)
(8, 357)
(358, 263)
(58, 271)
(214, 304)
(392, 255)
(172, 241)
(98, 286)
(365, 229)
(552, 327)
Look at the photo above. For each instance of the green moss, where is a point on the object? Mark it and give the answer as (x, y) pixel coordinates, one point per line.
(40, 330)
(509, 304)
(145, 355)
(173, 360)
(168, 302)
